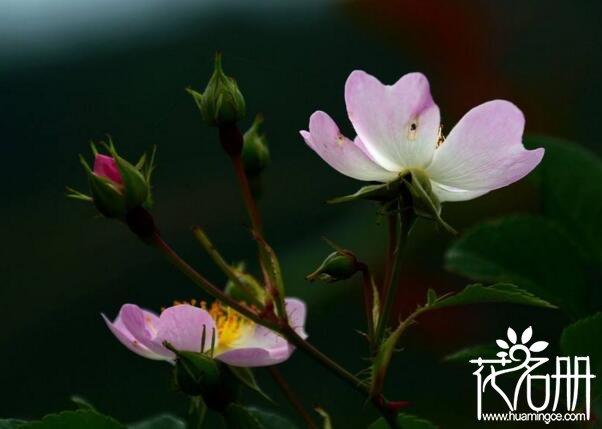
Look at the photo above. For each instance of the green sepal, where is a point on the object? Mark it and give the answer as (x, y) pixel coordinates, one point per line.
(424, 202)
(136, 188)
(255, 152)
(246, 377)
(195, 373)
(382, 192)
(413, 188)
(246, 288)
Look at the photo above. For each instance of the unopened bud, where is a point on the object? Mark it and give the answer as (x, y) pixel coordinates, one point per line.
(222, 103)
(116, 186)
(339, 265)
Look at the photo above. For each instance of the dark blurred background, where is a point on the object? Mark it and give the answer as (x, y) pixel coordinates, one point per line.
(72, 72)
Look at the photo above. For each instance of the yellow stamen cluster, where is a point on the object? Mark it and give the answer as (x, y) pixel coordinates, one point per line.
(230, 324)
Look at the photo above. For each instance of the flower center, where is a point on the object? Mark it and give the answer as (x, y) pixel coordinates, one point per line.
(230, 325)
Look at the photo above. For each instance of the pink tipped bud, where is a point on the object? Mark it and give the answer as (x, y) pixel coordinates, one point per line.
(105, 166)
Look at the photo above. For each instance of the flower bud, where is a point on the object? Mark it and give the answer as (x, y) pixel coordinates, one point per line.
(255, 151)
(339, 265)
(222, 102)
(116, 186)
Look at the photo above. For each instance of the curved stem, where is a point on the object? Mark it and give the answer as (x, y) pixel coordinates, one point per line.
(406, 219)
(290, 395)
(286, 331)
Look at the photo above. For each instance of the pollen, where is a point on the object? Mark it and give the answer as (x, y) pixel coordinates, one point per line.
(231, 325)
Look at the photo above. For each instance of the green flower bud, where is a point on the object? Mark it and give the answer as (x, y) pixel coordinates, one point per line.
(339, 265)
(116, 186)
(255, 151)
(222, 102)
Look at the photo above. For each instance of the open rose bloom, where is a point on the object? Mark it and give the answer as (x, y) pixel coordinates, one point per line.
(236, 340)
(398, 128)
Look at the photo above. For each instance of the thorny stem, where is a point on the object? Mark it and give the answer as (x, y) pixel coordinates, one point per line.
(406, 219)
(395, 336)
(290, 395)
(286, 331)
(368, 291)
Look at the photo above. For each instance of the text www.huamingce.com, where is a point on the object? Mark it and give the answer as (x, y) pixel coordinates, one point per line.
(534, 417)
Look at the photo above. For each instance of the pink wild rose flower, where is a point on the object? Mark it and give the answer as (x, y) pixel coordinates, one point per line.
(105, 166)
(238, 341)
(398, 128)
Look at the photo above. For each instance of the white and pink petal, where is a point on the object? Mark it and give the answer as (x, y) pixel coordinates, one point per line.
(344, 155)
(398, 123)
(483, 152)
(262, 346)
(129, 340)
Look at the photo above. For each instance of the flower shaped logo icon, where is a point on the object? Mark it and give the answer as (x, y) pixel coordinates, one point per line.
(513, 344)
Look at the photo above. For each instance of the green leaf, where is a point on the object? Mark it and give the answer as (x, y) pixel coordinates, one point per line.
(486, 351)
(499, 292)
(582, 339)
(240, 417)
(75, 420)
(11, 423)
(528, 251)
(406, 421)
(570, 179)
(164, 421)
(247, 378)
(271, 420)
